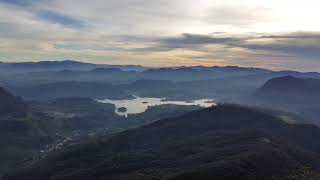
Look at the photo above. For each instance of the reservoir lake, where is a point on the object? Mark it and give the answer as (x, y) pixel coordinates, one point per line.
(141, 104)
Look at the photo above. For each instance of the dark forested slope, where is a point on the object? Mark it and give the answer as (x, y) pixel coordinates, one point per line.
(222, 142)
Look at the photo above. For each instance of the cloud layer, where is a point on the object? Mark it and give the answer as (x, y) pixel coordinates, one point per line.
(272, 34)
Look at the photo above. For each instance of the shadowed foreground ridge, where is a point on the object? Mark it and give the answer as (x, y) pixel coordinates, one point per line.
(222, 142)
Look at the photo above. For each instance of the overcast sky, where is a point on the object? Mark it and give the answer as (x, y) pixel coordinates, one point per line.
(276, 34)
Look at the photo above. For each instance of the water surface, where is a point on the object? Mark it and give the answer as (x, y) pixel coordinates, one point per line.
(141, 104)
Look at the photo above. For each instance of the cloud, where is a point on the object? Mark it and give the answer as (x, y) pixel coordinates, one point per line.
(153, 32)
(186, 41)
(294, 35)
(195, 39)
(279, 48)
(18, 2)
(304, 44)
(67, 21)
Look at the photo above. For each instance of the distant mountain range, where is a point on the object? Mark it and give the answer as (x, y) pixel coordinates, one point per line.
(52, 71)
(60, 65)
(77, 65)
(223, 142)
(115, 83)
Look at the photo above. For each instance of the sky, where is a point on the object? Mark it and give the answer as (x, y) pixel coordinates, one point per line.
(274, 34)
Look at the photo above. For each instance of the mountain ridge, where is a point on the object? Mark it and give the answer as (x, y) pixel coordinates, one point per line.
(290, 88)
